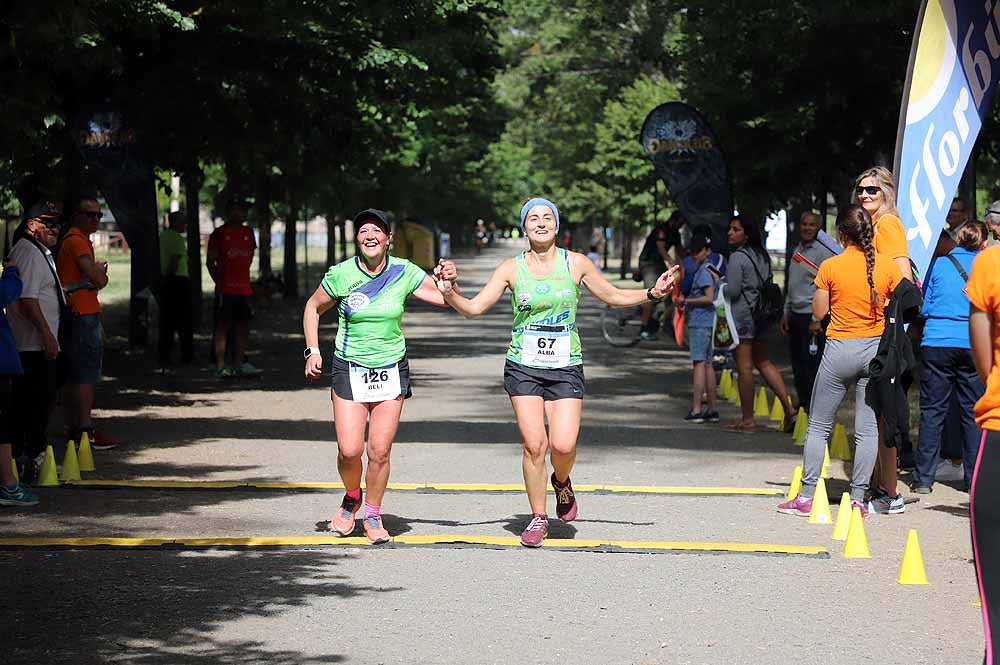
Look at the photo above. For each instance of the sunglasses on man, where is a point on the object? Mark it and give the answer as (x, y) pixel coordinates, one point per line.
(870, 190)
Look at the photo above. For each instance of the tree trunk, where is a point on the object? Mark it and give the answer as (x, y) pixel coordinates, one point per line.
(262, 213)
(192, 181)
(343, 240)
(289, 271)
(332, 222)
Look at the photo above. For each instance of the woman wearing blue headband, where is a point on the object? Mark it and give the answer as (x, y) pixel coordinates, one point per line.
(543, 373)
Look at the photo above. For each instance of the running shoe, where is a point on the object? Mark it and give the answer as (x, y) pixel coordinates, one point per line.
(225, 373)
(343, 521)
(948, 472)
(921, 489)
(247, 369)
(536, 531)
(860, 505)
(887, 505)
(710, 416)
(566, 506)
(800, 506)
(374, 530)
(98, 441)
(693, 417)
(648, 336)
(17, 497)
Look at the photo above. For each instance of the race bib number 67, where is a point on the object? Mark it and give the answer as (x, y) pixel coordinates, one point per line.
(545, 346)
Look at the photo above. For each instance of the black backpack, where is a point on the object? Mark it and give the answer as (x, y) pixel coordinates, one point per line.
(770, 305)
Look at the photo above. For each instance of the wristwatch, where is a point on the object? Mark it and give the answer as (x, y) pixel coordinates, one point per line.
(649, 295)
(311, 351)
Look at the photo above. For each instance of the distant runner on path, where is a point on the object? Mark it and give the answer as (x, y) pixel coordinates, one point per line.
(543, 373)
(371, 375)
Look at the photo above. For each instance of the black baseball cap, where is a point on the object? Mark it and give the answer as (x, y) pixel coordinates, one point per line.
(372, 215)
(46, 212)
(700, 241)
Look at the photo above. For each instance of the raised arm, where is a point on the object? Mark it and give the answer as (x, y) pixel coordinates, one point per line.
(480, 303)
(429, 293)
(608, 293)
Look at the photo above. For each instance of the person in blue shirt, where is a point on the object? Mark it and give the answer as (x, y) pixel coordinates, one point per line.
(948, 368)
(700, 312)
(11, 492)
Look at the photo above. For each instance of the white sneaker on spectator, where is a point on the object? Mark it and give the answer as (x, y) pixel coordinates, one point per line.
(946, 471)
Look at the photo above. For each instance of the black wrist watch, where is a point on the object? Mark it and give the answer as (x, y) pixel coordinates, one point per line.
(311, 351)
(650, 296)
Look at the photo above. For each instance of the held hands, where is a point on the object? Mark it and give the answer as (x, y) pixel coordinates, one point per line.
(445, 275)
(314, 366)
(665, 283)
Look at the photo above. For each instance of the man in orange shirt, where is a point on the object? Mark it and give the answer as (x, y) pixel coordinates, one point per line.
(983, 289)
(82, 276)
(230, 252)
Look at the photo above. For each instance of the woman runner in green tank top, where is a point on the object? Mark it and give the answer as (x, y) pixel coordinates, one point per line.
(543, 372)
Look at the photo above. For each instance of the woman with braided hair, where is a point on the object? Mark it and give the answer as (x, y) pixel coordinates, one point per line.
(852, 288)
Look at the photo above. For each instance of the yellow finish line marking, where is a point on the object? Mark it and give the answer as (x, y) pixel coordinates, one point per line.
(417, 487)
(424, 541)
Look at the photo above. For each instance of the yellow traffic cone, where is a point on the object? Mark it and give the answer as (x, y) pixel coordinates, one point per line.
(47, 473)
(777, 411)
(760, 404)
(85, 456)
(796, 485)
(70, 465)
(856, 545)
(843, 523)
(725, 382)
(820, 511)
(912, 570)
(825, 471)
(736, 396)
(839, 448)
(801, 427)
(13, 466)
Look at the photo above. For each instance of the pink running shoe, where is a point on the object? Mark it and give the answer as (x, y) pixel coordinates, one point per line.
(343, 521)
(798, 506)
(536, 531)
(566, 507)
(374, 530)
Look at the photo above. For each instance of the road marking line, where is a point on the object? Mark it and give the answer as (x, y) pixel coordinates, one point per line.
(417, 487)
(428, 540)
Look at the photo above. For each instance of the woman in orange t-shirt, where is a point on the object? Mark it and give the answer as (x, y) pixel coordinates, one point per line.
(984, 493)
(852, 288)
(875, 191)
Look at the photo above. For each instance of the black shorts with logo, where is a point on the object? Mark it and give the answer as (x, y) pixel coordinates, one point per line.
(549, 384)
(342, 378)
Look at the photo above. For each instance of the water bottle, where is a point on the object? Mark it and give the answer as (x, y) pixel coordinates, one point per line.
(813, 346)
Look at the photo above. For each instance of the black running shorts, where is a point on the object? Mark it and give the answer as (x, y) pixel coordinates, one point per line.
(549, 384)
(342, 379)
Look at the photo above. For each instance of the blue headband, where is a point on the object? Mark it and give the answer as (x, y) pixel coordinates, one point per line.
(538, 201)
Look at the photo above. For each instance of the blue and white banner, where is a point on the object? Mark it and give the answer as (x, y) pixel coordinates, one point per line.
(950, 81)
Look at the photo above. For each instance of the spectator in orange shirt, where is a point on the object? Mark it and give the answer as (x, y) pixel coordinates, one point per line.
(875, 191)
(229, 255)
(82, 277)
(984, 494)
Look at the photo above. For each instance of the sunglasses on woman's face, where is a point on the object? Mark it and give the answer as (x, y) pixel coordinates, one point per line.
(871, 190)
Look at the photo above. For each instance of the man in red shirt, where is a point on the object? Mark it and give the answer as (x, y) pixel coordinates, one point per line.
(230, 252)
(82, 277)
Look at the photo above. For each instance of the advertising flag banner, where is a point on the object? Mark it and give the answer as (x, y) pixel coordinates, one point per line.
(687, 156)
(950, 81)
